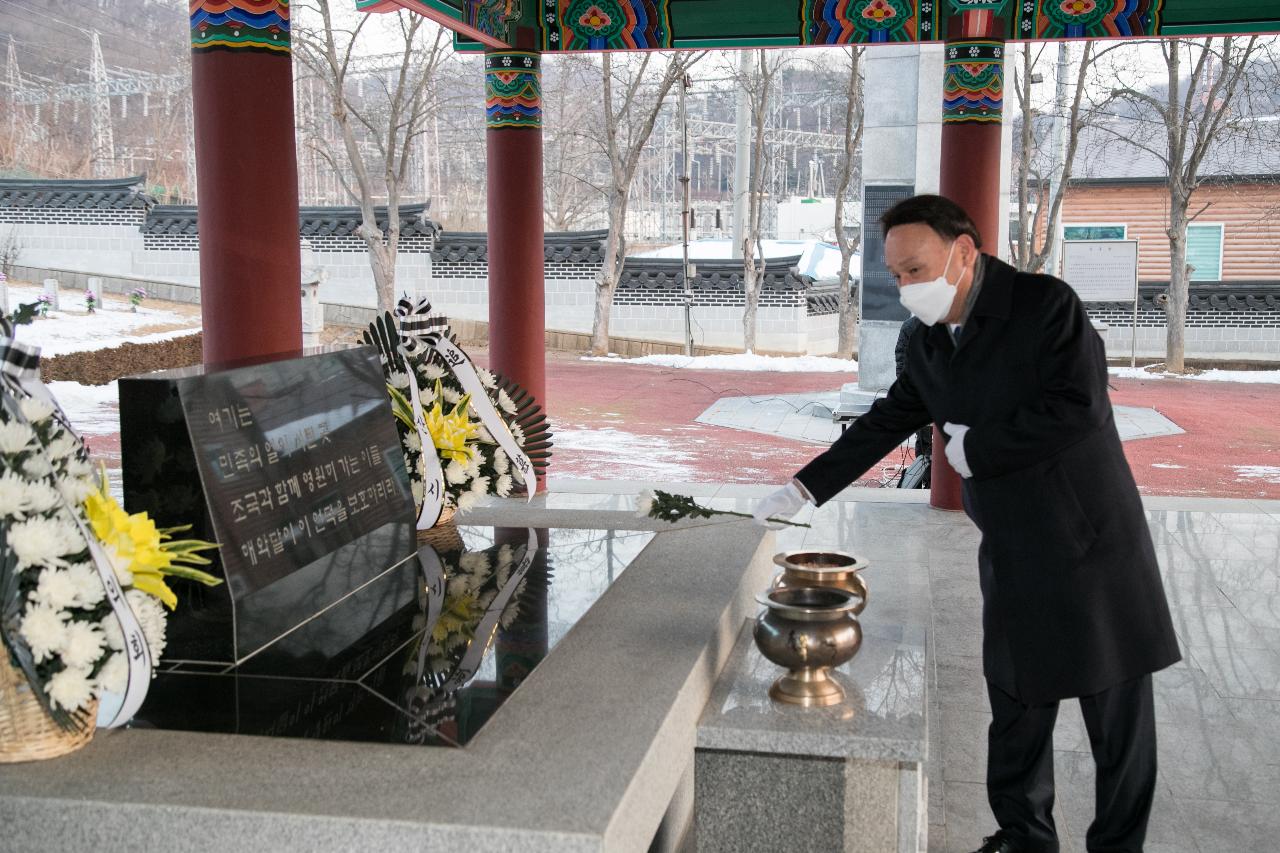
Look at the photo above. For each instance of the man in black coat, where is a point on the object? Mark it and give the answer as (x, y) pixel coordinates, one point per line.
(1073, 605)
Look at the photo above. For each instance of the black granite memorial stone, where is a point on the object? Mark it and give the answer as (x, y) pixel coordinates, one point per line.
(292, 465)
(879, 291)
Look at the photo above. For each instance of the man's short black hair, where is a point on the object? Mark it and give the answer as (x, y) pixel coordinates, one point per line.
(947, 219)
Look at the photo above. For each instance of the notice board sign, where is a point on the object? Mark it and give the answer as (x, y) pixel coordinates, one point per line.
(1101, 270)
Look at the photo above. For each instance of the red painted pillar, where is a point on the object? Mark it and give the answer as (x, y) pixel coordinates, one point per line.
(247, 173)
(972, 110)
(513, 141)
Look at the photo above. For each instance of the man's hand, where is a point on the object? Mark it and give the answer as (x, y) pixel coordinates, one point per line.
(783, 503)
(955, 448)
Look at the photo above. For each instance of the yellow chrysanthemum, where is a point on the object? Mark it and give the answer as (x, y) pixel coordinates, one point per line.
(136, 545)
(452, 433)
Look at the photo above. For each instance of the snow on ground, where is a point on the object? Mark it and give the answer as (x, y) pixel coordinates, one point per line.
(608, 453)
(73, 329)
(1267, 473)
(1167, 465)
(1214, 375)
(92, 409)
(741, 361)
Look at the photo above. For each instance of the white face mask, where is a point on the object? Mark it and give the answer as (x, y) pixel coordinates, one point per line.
(930, 300)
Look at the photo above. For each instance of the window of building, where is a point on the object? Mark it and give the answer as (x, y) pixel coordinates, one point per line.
(1204, 252)
(1095, 232)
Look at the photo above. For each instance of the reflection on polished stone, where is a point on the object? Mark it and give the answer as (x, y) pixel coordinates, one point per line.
(425, 654)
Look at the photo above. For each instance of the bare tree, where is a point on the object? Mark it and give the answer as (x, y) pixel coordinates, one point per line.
(573, 183)
(757, 87)
(628, 124)
(1195, 111)
(378, 132)
(853, 126)
(1036, 162)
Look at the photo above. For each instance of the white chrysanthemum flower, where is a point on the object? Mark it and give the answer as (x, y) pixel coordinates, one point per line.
(75, 489)
(44, 541)
(15, 498)
(484, 435)
(84, 644)
(433, 372)
(455, 472)
(500, 462)
(644, 503)
(70, 689)
(42, 498)
(35, 410)
(80, 469)
(473, 562)
(486, 378)
(151, 617)
(37, 466)
(89, 589)
(55, 589)
(450, 396)
(16, 437)
(418, 491)
(473, 465)
(114, 637)
(399, 379)
(45, 631)
(413, 441)
(504, 402)
(503, 485)
(114, 675)
(466, 501)
(62, 447)
(480, 486)
(517, 433)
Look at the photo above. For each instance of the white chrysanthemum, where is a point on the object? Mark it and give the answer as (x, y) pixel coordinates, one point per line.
(399, 379)
(45, 631)
(504, 402)
(503, 485)
(84, 645)
(55, 589)
(15, 499)
(79, 468)
(466, 501)
(114, 637)
(44, 541)
(114, 675)
(16, 437)
(486, 378)
(42, 498)
(37, 466)
(473, 465)
(71, 689)
(644, 503)
(75, 489)
(517, 433)
(62, 447)
(413, 441)
(89, 589)
(484, 435)
(480, 486)
(433, 372)
(418, 491)
(455, 472)
(500, 462)
(450, 396)
(35, 410)
(151, 617)
(473, 562)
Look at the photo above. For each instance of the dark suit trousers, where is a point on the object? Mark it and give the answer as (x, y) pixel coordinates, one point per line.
(1122, 734)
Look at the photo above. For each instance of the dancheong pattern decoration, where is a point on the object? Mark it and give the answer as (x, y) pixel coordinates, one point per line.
(261, 25)
(512, 89)
(492, 17)
(605, 24)
(1051, 19)
(973, 82)
(868, 21)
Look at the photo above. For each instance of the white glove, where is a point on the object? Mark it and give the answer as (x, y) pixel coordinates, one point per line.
(955, 448)
(783, 503)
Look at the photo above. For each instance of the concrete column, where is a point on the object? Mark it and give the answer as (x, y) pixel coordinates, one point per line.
(901, 145)
(513, 140)
(247, 169)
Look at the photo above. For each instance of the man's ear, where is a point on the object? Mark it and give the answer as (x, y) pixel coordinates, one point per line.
(968, 249)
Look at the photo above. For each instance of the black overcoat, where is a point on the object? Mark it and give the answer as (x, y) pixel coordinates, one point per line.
(1075, 592)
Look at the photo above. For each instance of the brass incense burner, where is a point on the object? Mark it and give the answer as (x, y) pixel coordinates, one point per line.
(809, 630)
(810, 567)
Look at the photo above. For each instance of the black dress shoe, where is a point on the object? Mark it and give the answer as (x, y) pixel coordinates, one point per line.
(998, 843)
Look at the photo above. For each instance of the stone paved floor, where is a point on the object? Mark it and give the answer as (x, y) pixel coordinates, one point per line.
(1218, 711)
